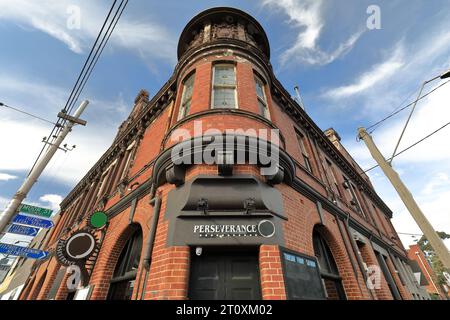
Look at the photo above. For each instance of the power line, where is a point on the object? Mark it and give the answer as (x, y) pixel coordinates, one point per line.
(79, 85)
(24, 112)
(97, 55)
(98, 52)
(405, 107)
(414, 144)
(410, 234)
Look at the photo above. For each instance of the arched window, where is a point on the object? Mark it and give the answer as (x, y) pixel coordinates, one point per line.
(122, 283)
(328, 269)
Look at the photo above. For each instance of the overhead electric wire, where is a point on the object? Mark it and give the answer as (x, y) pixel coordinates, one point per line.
(405, 107)
(89, 56)
(410, 234)
(413, 145)
(24, 112)
(76, 91)
(97, 55)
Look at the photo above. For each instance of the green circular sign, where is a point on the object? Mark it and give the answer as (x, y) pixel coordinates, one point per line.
(99, 219)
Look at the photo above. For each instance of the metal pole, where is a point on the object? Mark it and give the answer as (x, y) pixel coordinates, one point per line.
(21, 194)
(410, 115)
(407, 198)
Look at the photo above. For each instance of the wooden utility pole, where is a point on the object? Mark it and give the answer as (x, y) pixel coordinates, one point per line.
(407, 198)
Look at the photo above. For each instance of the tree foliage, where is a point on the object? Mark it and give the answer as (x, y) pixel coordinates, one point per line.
(435, 262)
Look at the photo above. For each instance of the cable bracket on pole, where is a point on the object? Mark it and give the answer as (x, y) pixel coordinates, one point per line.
(67, 117)
(65, 147)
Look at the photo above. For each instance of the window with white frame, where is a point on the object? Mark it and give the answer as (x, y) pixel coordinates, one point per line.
(224, 86)
(262, 100)
(186, 97)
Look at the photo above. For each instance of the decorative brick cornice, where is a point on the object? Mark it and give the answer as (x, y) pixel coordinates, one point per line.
(300, 116)
(135, 129)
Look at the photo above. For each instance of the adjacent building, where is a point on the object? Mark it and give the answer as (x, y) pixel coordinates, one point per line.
(222, 187)
(424, 272)
(19, 273)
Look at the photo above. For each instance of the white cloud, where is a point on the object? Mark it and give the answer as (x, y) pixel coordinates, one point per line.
(3, 203)
(306, 16)
(387, 83)
(25, 134)
(51, 17)
(368, 79)
(46, 16)
(6, 177)
(430, 114)
(440, 180)
(425, 168)
(52, 199)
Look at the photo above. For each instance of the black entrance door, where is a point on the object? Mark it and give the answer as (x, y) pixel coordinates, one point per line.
(224, 275)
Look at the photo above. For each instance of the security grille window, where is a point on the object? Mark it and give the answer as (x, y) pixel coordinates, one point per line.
(302, 143)
(186, 98)
(122, 283)
(328, 269)
(334, 182)
(224, 86)
(262, 100)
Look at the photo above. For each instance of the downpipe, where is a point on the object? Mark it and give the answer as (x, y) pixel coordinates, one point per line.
(155, 201)
(356, 251)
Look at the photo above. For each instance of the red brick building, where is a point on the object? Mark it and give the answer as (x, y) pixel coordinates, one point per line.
(432, 286)
(297, 222)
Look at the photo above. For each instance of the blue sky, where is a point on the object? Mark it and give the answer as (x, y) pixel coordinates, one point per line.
(349, 76)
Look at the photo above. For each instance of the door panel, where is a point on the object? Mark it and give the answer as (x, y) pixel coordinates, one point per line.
(224, 275)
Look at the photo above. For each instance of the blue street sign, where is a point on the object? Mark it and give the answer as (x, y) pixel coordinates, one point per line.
(13, 250)
(23, 230)
(33, 221)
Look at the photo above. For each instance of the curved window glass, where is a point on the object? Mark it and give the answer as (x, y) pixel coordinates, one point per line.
(122, 283)
(186, 98)
(262, 101)
(224, 86)
(328, 270)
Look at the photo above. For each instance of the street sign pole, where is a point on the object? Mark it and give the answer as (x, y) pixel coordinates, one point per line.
(42, 162)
